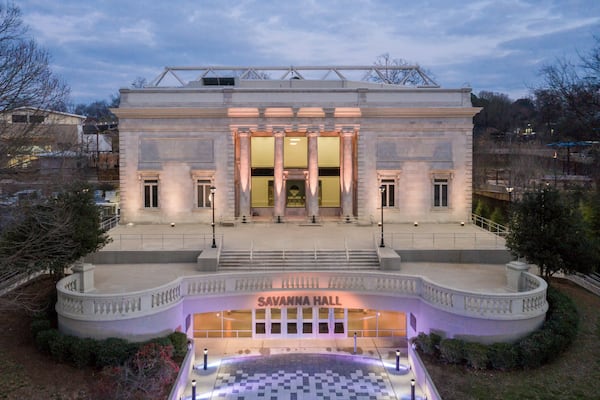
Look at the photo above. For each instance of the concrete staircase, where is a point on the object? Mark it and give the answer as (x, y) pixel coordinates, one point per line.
(298, 260)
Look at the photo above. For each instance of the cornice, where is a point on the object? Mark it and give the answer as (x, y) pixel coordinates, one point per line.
(365, 112)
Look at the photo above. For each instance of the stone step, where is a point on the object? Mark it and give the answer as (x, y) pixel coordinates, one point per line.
(298, 259)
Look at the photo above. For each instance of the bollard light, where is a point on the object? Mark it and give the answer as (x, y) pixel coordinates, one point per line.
(412, 389)
(205, 359)
(193, 389)
(398, 360)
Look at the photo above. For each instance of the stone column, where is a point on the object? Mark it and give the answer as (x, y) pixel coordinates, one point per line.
(514, 275)
(312, 184)
(86, 275)
(245, 179)
(347, 172)
(279, 183)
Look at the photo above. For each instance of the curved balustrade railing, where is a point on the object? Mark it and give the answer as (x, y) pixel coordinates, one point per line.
(90, 306)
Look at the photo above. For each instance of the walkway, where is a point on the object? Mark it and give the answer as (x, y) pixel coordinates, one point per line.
(302, 369)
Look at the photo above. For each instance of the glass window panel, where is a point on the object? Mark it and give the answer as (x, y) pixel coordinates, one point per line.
(338, 313)
(295, 152)
(329, 191)
(275, 327)
(292, 328)
(338, 327)
(262, 193)
(260, 328)
(323, 327)
(262, 152)
(307, 313)
(292, 313)
(307, 327)
(276, 313)
(323, 313)
(259, 313)
(328, 148)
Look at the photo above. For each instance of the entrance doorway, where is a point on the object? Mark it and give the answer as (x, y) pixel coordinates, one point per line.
(300, 322)
(295, 194)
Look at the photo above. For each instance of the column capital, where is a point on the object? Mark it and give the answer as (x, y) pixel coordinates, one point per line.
(313, 131)
(278, 130)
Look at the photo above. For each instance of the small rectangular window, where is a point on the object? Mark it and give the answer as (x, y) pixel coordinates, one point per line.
(440, 193)
(19, 118)
(203, 194)
(151, 193)
(388, 194)
(292, 328)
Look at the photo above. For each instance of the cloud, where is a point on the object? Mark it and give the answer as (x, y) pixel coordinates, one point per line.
(496, 45)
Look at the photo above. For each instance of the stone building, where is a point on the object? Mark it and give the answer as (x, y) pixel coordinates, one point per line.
(310, 144)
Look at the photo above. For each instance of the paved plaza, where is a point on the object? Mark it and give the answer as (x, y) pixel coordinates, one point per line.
(317, 369)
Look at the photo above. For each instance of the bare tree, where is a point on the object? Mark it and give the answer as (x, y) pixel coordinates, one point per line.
(26, 80)
(571, 91)
(389, 72)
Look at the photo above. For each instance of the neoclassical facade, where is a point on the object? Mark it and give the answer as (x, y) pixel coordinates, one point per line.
(295, 147)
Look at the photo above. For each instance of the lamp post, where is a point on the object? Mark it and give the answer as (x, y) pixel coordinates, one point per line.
(205, 359)
(510, 189)
(412, 389)
(382, 191)
(212, 203)
(193, 389)
(555, 157)
(398, 360)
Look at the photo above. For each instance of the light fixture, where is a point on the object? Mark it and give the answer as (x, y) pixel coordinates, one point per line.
(416, 223)
(212, 203)
(462, 223)
(382, 191)
(172, 224)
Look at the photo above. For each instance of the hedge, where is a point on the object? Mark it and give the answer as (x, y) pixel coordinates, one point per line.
(82, 352)
(541, 346)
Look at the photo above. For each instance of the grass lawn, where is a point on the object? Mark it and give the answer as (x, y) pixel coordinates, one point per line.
(575, 375)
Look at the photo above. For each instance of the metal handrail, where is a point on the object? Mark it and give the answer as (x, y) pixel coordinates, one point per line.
(489, 225)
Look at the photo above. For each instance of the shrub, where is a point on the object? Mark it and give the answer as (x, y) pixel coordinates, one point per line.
(114, 351)
(503, 356)
(44, 338)
(148, 374)
(180, 342)
(452, 350)
(83, 352)
(531, 350)
(61, 347)
(38, 325)
(428, 344)
(476, 355)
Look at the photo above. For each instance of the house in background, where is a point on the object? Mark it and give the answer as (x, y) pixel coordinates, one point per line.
(42, 149)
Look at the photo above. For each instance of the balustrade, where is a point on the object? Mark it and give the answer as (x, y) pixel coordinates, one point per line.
(75, 304)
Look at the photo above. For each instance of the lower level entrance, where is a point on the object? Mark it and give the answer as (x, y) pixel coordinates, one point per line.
(300, 322)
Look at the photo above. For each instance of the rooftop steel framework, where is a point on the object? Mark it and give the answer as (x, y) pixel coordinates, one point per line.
(405, 75)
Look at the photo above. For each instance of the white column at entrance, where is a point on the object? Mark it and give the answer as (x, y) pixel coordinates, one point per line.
(347, 172)
(279, 184)
(312, 189)
(244, 138)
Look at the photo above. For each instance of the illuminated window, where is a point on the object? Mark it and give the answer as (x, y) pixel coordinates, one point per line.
(388, 196)
(203, 193)
(440, 192)
(151, 193)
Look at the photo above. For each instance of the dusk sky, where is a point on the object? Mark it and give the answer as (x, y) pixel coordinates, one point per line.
(100, 46)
